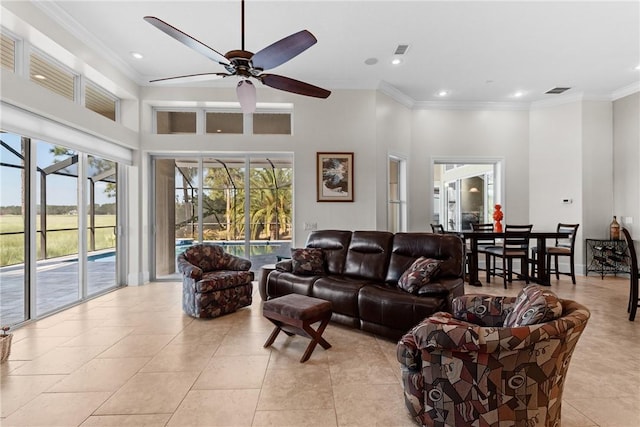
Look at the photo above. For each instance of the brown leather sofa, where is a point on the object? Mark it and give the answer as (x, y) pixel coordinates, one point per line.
(361, 272)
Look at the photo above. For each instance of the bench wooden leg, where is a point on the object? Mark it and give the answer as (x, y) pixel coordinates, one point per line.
(273, 336)
(316, 338)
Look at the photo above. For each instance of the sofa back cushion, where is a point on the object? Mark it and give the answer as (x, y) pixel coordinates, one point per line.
(206, 256)
(368, 255)
(407, 247)
(334, 244)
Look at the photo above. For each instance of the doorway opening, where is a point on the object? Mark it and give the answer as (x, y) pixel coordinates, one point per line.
(465, 192)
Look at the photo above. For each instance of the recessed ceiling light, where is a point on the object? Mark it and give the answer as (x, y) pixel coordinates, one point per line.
(371, 61)
(637, 67)
(518, 94)
(396, 61)
(137, 55)
(39, 77)
(443, 93)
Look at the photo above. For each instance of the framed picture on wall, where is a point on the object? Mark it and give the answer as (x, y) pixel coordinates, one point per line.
(334, 174)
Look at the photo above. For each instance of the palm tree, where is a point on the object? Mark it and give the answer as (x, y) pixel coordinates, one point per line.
(270, 201)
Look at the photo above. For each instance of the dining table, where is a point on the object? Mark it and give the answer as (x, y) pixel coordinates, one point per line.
(542, 276)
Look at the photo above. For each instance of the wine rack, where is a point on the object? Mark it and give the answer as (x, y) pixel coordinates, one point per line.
(606, 257)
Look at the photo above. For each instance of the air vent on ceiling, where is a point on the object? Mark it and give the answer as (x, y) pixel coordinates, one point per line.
(401, 49)
(557, 90)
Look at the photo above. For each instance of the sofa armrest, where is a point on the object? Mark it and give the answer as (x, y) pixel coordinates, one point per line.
(408, 354)
(188, 269)
(285, 265)
(482, 310)
(442, 331)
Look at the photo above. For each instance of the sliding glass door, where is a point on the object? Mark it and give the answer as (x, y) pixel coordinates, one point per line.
(13, 217)
(58, 227)
(206, 199)
(102, 212)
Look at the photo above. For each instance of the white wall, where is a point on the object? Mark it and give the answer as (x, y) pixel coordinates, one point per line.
(571, 158)
(469, 134)
(626, 161)
(597, 171)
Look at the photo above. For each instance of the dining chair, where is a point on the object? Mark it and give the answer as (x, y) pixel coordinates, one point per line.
(484, 243)
(515, 246)
(564, 247)
(634, 301)
(437, 229)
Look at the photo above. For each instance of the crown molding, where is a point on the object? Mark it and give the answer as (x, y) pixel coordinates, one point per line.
(472, 105)
(67, 22)
(625, 91)
(396, 94)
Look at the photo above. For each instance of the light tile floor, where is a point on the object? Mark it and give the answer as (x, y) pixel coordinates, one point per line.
(132, 358)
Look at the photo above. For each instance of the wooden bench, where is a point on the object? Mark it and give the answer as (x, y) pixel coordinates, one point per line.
(295, 314)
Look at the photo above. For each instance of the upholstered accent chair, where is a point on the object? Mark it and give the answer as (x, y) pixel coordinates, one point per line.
(214, 282)
(468, 369)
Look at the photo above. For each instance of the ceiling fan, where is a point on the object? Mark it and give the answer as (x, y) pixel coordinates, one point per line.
(246, 65)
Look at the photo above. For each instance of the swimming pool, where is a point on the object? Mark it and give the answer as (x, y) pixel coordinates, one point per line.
(256, 248)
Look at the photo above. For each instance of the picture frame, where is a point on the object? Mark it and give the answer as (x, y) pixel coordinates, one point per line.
(334, 176)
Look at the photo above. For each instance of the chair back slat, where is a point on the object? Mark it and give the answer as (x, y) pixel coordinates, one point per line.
(484, 227)
(516, 237)
(569, 242)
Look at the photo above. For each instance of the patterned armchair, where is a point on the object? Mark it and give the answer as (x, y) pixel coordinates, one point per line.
(467, 369)
(214, 282)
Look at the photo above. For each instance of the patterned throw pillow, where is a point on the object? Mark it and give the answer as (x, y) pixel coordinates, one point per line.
(534, 305)
(307, 261)
(419, 274)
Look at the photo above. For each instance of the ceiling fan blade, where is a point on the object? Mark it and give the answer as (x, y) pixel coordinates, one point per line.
(295, 86)
(187, 40)
(189, 78)
(283, 50)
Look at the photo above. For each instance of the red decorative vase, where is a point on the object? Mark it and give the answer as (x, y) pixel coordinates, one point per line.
(497, 217)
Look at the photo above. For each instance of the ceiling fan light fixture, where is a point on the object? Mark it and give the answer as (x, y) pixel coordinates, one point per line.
(246, 92)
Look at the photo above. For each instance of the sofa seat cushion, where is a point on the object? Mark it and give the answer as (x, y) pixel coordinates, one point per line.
(341, 291)
(223, 279)
(386, 305)
(282, 283)
(534, 305)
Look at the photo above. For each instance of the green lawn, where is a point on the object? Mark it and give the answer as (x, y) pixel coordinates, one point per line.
(59, 243)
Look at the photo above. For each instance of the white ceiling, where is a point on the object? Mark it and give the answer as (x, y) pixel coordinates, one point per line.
(478, 51)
